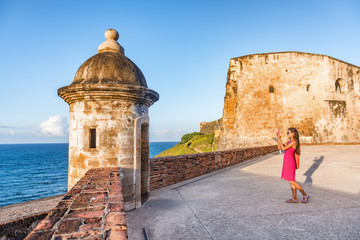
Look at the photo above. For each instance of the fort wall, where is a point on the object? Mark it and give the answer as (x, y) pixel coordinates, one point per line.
(94, 207)
(165, 171)
(210, 127)
(317, 94)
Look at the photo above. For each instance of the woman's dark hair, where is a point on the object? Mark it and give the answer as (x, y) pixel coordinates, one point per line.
(296, 138)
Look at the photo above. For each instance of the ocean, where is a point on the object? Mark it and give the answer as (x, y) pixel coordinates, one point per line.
(34, 171)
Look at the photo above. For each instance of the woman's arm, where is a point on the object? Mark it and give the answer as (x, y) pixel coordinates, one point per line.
(279, 143)
(287, 146)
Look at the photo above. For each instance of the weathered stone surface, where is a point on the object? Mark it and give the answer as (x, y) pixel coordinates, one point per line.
(69, 226)
(90, 222)
(111, 44)
(210, 127)
(116, 220)
(109, 68)
(317, 94)
(109, 123)
(165, 171)
(20, 228)
(116, 234)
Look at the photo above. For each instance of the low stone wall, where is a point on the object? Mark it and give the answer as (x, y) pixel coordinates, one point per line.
(165, 171)
(18, 220)
(92, 209)
(19, 228)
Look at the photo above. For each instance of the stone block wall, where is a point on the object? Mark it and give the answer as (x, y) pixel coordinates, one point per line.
(165, 171)
(114, 123)
(317, 94)
(92, 209)
(210, 127)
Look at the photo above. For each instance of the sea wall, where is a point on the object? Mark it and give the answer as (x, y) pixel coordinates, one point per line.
(92, 209)
(165, 171)
(18, 229)
(18, 220)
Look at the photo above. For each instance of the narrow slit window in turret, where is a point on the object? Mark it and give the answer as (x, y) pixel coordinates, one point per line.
(337, 86)
(92, 138)
(271, 89)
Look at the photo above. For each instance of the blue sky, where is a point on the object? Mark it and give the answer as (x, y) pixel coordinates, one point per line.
(182, 47)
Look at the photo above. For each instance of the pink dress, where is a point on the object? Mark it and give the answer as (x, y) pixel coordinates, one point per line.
(288, 170)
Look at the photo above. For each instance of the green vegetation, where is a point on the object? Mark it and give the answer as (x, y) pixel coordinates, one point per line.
(191, 143)
(187, 137)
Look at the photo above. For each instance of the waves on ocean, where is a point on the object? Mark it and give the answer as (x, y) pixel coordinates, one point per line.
(34, 171)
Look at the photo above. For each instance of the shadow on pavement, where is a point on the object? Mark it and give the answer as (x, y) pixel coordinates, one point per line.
(312, 169)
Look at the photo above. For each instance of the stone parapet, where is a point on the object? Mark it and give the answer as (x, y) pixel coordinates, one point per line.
(165, 171)
(18, 220)
(92, 209)
(19, 228)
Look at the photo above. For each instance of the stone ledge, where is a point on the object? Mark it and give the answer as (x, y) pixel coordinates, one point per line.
(93, 208)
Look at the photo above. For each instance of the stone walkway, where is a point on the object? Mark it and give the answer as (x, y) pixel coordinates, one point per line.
(246, 201)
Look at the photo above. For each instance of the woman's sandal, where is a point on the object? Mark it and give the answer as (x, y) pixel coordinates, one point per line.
(305, 199)
(291, 201)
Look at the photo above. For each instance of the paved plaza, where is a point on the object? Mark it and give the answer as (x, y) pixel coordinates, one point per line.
(247, 201)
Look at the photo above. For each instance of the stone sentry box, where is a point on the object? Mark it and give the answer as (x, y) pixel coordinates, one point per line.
(109, 123)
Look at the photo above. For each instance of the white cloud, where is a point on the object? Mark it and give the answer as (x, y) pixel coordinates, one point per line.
(161, 132)
(54, 126)
(167, 134)
(12, 132)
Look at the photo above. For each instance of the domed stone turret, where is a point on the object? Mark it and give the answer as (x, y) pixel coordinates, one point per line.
(109, 71)
(110, 66)
(109, 123)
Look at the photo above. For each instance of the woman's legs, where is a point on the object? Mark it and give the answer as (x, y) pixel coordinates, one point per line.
(294, 186)
(293, 190)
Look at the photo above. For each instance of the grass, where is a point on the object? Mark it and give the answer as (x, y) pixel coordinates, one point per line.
(191, 143)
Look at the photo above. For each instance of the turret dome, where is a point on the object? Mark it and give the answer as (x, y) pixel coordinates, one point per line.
(110, 66)
(109, 75)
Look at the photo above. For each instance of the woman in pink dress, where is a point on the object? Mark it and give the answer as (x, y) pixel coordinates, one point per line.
(289, 164)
